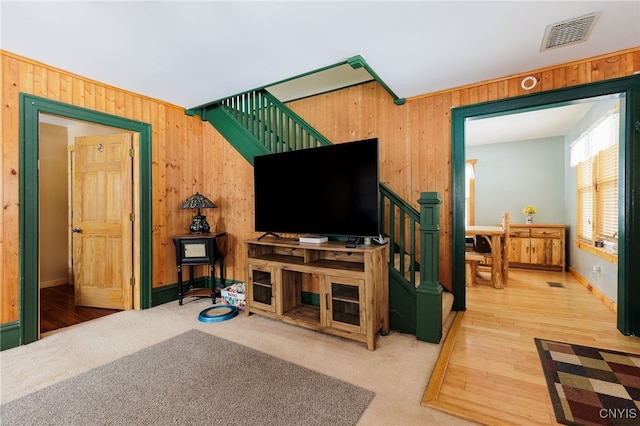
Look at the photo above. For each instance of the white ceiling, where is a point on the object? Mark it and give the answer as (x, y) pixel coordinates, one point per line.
(190, 53)
(539, 124)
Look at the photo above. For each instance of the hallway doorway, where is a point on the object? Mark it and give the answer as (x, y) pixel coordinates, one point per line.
(58, 310)
(60, 302)
(31, 108)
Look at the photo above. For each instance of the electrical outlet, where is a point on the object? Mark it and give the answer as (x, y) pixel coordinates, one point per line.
(597, 269)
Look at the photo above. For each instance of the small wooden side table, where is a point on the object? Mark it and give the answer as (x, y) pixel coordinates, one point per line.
(199, 249)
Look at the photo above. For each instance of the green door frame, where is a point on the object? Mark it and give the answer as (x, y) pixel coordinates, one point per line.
(30, 109)
(629, 200)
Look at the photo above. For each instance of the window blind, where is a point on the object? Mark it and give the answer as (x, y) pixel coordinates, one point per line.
(595, 153)
(584, 184)
(607, 193)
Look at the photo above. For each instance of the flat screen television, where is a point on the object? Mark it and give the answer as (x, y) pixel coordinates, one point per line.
(330, 191)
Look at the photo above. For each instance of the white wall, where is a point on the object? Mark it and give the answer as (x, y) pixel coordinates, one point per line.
(512, 175)
(579, 260)
(53, 206)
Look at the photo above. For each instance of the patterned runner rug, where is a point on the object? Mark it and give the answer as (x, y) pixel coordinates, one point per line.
(590, 386)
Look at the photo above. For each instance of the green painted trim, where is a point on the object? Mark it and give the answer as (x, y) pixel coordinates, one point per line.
(402, 303)
(629, 199)
(301, 121)
(10, 335)
(359, 62)
(164, 294)
(241, 139)
(429, 316)
(429, 292)
(169, 293)
(30, 108)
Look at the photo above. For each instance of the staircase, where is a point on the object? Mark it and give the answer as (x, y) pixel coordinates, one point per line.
(257, 123)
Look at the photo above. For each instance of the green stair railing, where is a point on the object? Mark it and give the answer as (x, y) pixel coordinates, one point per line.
(257, 123)
(272, 123)
(402, 225)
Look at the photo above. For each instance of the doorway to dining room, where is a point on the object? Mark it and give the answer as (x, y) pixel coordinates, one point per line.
(627, 91)
(522, 166)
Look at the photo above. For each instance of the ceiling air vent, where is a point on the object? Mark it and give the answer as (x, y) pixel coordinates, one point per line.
(569, 32)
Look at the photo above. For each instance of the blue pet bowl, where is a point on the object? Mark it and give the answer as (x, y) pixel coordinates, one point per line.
(218, 313)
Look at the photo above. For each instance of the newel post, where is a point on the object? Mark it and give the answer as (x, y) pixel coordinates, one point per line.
(429, 292)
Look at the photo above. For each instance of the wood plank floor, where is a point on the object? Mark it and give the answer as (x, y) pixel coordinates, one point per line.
(57, 309)
(493, 375)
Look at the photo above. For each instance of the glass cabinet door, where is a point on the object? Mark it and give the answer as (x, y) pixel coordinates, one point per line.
(262, 288)
(345, 303)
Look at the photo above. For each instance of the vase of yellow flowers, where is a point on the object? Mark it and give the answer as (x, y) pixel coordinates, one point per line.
(529, 211)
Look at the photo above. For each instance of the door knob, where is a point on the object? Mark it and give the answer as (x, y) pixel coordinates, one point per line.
(77, 230)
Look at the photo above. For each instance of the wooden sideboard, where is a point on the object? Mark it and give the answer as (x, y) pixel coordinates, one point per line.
(536, 246)
(350, 286)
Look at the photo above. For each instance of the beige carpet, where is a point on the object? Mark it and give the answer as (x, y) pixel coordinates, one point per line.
(397, 371)
(215, 375)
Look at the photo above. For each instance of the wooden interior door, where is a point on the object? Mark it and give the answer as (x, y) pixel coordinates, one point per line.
(102, 221)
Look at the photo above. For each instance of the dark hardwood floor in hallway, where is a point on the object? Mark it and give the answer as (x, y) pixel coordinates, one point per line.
(57, 309)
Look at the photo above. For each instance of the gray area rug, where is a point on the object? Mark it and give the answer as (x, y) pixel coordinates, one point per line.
(193, 378)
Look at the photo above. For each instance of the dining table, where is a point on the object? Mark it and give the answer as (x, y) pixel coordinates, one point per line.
(495, 235)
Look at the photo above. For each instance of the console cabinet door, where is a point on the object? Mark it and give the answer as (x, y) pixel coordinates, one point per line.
(539, 251)
(557, 253)
(546, 251)
(345, 305)
(262, 289)
(519, 250)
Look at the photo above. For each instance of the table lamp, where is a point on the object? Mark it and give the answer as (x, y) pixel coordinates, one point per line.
(198, 201)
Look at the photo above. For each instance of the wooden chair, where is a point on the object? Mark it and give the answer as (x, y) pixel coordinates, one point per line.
(471, 260)
(475, 259)
(482, 246)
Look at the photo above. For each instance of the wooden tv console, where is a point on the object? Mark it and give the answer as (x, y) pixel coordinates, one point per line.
(349, 287)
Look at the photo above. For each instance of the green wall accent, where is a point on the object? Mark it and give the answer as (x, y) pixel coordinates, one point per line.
(429, 292)
(241, 139)
(169, 293)
(30, 109)
(629, 199)
(10, 335)
(359, 62)
(402, 303)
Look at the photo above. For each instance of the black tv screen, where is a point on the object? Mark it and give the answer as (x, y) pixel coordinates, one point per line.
(330, 190)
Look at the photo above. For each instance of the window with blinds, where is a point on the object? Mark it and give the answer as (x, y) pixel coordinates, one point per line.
(597, 186)
(607, 193)
(585, 197)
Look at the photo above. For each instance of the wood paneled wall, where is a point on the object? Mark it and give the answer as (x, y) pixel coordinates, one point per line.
(189, 155)
(415, 138)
